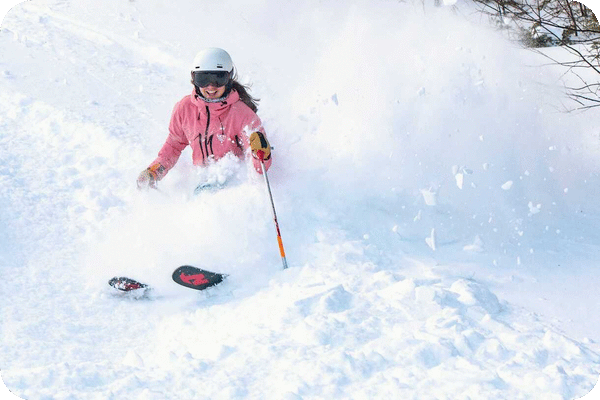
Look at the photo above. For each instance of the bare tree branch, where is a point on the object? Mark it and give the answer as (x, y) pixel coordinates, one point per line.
(555, 23)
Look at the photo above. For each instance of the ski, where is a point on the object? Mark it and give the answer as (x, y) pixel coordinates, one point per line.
(208, 187)
(186, 275)
(196, 278)
(126, 284)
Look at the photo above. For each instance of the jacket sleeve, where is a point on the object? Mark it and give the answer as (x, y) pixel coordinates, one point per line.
(174, 145)
(254, 125)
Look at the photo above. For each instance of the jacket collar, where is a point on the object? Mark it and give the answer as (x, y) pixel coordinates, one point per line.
(215, 108)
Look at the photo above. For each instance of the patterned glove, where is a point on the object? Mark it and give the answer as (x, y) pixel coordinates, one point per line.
(149, 176)
(260, 146)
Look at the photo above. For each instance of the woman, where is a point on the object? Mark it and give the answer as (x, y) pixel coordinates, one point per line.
(218, 118)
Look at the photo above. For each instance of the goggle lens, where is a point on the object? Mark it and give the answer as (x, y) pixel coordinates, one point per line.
(205, 78)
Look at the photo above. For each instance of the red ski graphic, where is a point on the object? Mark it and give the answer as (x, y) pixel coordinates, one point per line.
(195, 280)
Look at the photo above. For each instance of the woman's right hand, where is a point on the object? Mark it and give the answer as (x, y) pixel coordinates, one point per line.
(146, 179)
(151, 175)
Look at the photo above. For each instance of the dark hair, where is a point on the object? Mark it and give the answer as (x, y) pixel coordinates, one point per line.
(243, 92)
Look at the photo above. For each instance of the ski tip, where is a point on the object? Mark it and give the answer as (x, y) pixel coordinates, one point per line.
(126, 284)
(196, 278)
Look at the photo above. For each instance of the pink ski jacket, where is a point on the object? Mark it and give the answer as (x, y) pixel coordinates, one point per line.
(212, 129)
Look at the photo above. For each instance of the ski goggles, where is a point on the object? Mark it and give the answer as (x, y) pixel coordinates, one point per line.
(205, 78)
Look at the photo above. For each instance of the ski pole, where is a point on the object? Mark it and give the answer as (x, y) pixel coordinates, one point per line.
(261, 157)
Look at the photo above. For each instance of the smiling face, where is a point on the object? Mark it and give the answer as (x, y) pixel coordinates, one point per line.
(213, 92)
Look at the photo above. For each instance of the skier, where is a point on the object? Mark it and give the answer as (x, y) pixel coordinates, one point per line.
(218, 118)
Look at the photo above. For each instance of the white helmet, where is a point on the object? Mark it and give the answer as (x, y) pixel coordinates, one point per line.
(212, 59)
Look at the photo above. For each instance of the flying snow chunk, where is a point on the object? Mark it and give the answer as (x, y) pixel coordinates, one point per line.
(431, 240)
(429, 196)
(507, 185)
(476, 247)
(459, 180)
(334, 98)
(534, 209)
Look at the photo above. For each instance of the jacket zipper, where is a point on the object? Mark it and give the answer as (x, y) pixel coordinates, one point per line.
(205, 136)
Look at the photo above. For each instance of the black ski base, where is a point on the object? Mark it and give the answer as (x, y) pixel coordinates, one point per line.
(196, 278)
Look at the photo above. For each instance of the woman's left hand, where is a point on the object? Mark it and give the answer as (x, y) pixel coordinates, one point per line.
(260, 146)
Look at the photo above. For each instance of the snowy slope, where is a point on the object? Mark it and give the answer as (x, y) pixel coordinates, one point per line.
(437, 208)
